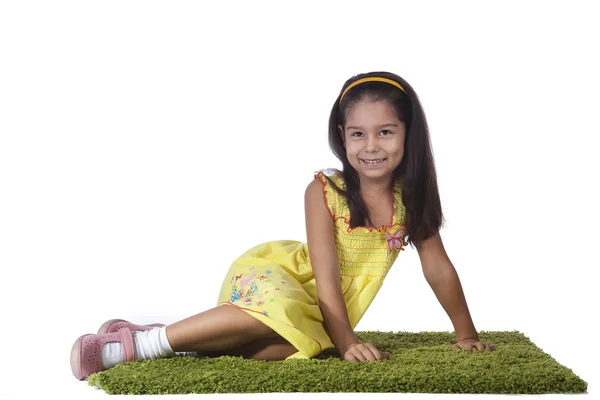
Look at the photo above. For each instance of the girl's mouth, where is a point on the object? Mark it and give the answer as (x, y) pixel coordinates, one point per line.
(373, 163)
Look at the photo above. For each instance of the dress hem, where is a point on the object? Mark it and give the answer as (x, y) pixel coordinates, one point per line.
(299, 339)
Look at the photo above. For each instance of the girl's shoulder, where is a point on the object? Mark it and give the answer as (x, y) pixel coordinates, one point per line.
(333, 174)
(333, 181)
(327, 176)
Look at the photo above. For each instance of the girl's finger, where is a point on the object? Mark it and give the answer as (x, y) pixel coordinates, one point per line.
(352, 358)
(376, 353)
(358, 354)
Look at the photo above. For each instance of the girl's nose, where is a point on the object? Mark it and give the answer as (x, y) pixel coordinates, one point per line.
(372, 144)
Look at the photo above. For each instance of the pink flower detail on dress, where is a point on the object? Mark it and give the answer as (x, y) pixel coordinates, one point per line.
(248, 300)
(245, 281)
(277, 289)
(260, 303)
(394, 241)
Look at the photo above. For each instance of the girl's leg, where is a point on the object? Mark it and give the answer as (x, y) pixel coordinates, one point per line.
(266, 349)
(218, 329)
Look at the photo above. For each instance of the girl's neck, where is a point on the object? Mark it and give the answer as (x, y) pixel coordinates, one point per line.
(376, 189)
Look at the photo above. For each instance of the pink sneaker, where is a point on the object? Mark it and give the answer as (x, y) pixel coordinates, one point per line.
(86, 354)
(114, 325)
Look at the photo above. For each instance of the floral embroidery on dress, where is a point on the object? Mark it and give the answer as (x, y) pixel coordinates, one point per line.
(395, 241)
(244, 282)
(245, 287)
(235, 295)
(236, 277)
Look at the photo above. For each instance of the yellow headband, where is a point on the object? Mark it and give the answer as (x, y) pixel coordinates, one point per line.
(370, 79)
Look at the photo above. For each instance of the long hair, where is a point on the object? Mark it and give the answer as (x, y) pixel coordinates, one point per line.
(416, 171)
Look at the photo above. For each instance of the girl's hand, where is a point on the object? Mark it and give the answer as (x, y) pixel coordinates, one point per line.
(359, 352)
(470, 344)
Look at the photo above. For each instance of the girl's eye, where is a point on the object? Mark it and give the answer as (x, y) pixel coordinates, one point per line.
(385, 130)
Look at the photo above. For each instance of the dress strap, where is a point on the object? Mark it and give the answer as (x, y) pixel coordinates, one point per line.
(336, 203)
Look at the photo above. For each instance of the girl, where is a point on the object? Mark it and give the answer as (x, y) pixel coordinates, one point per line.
(286, 299)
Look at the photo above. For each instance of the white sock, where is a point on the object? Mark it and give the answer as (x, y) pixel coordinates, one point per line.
(150, 344)
(111, 355)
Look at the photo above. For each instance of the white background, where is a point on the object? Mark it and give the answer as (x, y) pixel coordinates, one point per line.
(146, 145)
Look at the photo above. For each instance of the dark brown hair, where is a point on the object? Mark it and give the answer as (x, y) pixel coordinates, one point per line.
(416, 171)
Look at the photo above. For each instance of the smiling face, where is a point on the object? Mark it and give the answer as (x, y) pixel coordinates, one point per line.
(373, 132)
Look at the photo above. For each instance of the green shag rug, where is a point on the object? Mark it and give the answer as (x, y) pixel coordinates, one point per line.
(419, 363)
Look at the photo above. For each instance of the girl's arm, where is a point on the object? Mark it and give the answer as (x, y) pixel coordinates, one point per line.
(445, 283)
(323, 257)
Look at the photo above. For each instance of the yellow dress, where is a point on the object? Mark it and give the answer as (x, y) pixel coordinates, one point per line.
(274, 281)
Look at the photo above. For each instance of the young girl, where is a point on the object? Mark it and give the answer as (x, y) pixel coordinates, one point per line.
(287, 299)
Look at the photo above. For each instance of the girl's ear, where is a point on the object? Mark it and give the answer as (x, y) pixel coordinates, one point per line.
(341, 131)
